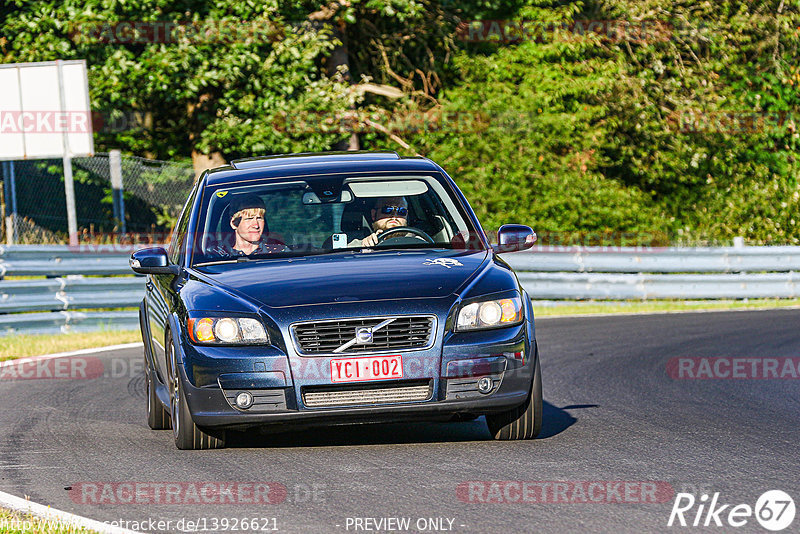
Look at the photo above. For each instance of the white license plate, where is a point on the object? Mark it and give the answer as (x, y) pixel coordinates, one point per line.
(366, 368)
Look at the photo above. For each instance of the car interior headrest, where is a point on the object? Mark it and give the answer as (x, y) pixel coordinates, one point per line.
(355, 217)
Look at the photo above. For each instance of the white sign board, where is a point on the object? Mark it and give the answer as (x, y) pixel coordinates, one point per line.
(44, 110)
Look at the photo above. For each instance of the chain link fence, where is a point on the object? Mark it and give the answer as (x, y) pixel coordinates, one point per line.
(144, 209)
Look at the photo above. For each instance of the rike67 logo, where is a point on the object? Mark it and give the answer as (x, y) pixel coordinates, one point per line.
(774, 510)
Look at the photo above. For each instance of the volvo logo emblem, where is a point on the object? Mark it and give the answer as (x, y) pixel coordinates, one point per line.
(364, 335)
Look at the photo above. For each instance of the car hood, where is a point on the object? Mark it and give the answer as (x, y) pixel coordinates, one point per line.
(350, 277)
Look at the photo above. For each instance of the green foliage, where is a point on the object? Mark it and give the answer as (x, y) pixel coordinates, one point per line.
(632, 134)
(716, 178)
(198, 89)
(532, 154)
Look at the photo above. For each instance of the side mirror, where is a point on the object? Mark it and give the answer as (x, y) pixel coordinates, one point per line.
(152, 261)
(514, 237)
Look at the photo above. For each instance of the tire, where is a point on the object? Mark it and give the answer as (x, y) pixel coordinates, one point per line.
(523, 422)
(157, 416)
(188, 436)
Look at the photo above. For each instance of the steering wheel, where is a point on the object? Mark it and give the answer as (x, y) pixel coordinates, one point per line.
(405, 230)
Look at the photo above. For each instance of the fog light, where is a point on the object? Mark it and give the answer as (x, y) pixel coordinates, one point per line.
(485, 384)
(244, 400)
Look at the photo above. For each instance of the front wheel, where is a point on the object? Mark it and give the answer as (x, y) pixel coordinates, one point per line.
(187, 435)
(522, 422)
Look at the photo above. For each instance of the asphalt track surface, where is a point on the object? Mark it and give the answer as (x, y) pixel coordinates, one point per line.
(612, 413)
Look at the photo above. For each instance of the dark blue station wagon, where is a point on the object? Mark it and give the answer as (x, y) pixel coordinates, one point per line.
(336, 288)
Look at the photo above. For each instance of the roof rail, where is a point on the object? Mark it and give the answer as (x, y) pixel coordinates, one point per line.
(312, 157)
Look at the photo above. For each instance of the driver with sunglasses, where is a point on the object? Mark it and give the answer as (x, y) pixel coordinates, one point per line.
(387, 213)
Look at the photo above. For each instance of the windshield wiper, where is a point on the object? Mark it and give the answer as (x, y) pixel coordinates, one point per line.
(215, 262)
(405, 247)
(320, 252)
(257, 257)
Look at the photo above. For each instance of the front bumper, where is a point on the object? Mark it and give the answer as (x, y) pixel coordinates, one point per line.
(451, 369)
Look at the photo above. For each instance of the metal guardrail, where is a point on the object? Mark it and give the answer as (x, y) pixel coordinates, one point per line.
(632, 273)
(656, 260)
(53, 299)
(555, 273)
(65, 293)
(61, 260)
(603, 286)
(67, 321)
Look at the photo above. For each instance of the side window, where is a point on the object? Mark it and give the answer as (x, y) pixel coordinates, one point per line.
(179, 234)
(173, 243)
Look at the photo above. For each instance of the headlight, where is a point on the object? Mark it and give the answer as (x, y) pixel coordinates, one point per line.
(227, 330)
(489, 314)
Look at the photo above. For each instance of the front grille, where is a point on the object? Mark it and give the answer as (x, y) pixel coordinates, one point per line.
(403, 333)
(367, 395)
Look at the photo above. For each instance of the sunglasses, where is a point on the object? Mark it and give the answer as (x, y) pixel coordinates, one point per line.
(389, 210)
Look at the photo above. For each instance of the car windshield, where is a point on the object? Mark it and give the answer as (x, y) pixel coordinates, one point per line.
(321, 215)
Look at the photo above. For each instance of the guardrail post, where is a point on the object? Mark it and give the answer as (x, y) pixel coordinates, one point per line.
(9, 180)
(69, 184)
(69, 193)
(115, 166)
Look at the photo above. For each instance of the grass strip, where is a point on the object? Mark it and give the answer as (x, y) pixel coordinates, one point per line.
(17, 523)
(22, 346)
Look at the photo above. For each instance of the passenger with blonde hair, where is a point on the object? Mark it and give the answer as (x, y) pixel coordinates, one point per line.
(246, 214)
